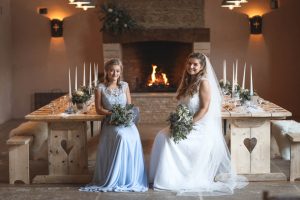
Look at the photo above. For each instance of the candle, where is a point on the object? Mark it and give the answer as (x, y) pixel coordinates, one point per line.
(224, 73)
(233, 81)
(236, 72)
(251, 82)
(90, 80)
(83, 74)
(76, 78)
(70, 90)
(243, 86)
(95, 75)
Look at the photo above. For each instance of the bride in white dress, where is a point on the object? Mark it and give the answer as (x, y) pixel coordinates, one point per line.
(200, 164)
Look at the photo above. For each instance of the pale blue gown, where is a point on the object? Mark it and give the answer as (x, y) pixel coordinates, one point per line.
(120, 163)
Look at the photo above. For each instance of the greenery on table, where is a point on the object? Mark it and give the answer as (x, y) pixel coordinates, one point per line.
(81, 95)
(116, 19)
(245, 95)
(181, 123)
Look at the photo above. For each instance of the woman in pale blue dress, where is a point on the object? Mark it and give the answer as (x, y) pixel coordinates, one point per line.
(120, 163)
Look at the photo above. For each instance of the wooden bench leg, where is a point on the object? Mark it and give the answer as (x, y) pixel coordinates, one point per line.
(19, 159)
(295, 161)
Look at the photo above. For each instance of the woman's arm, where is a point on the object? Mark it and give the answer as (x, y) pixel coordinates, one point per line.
(98, 104)
(128, 95)
(205, 94)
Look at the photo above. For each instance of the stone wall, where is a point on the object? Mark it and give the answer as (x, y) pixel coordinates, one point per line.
(154, 107)
(165, 13)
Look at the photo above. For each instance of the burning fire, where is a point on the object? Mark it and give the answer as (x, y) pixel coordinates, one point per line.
(157, 78)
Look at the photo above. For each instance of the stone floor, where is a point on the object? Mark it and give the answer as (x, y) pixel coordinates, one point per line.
(70, 191)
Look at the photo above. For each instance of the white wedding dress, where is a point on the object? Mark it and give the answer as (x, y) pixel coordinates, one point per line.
(200, 164)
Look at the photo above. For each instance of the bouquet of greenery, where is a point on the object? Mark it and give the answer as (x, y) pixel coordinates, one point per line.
(122, 115)
(116, 20)
(226, 88)
(81, 95)
(245, 95)
(181, 123)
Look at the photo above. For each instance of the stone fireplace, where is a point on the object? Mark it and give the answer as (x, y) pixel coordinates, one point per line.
(169, 35)
(165, 48)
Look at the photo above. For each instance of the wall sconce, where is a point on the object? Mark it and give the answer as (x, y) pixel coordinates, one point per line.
(256, 24)
(56, 28)
(274, 4)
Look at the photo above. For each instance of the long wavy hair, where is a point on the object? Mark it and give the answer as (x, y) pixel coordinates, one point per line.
(107, 66)
(190, 83)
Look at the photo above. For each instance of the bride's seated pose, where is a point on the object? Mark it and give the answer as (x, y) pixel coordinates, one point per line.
(200, 164)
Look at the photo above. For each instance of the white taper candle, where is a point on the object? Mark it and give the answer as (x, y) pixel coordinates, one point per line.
(76, 78)
(83, 74)
(70, 88)
(236, 72)
(233, 81)
(224, 73)
(90, 80)
(244, 75)
(251, 82)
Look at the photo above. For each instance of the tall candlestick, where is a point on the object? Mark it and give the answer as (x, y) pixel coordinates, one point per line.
(233, 81)
(83, 74)
(224, 73)
(243, 86)
(70, 89)
(236, 72)
(95, 75)
(90, 80)
(76, 78)
(251, 82)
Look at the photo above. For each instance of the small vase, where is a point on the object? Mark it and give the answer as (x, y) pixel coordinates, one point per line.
(79, 106)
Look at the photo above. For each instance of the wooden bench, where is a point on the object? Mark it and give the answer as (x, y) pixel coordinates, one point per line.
(19, 159)
(295, 155)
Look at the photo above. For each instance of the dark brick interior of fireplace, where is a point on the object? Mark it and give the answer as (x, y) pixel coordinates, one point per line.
(138, 58)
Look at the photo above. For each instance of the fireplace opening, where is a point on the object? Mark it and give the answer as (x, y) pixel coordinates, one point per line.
(154, 66)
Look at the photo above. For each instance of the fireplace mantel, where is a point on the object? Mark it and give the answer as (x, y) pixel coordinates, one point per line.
(187, 35)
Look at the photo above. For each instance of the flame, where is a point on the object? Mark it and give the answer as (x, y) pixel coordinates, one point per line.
(157, 78)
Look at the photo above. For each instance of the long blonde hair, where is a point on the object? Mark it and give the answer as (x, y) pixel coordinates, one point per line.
(189, 84)
(108, 64)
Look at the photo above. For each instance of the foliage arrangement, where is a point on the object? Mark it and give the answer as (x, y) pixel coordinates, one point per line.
(116, 20)
(122, 115)
(245, 95)
(81, 95)
(226, 88)
(181, 123)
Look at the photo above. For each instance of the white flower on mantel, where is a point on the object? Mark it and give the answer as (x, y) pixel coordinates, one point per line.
(125, 25)
(110, 10)
(117, 19)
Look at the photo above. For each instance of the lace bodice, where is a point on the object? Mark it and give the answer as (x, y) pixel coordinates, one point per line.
(110, 97)
(192, 102)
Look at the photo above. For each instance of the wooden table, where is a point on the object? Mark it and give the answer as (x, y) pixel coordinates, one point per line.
(67, 138)
(250, 140)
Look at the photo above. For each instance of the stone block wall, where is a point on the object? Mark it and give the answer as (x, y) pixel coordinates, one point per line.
(154, 107)
(165, 13)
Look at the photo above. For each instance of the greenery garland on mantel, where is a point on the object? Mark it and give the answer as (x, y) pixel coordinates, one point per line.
(116, 20)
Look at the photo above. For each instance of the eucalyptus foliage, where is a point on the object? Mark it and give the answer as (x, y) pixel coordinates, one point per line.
(81, 95)
(181, 123)
(122, 115)
(116, 20)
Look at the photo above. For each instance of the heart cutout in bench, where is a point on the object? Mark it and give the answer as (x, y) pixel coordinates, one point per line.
(250, 143)
(63, 144)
